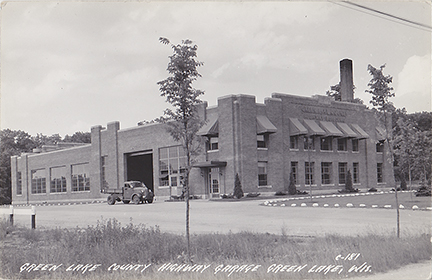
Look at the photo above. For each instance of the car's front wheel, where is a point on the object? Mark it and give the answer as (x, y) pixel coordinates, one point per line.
(135, 199)
(111, 200)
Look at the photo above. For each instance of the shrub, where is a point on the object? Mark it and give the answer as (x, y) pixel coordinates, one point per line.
(292, 187)
(238, 192)
(403, 184)
(348, 184)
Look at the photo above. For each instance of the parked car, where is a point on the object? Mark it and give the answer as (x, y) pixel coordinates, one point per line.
(134, 191)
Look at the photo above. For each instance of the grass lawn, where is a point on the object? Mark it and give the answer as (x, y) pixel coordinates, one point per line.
(407, 200)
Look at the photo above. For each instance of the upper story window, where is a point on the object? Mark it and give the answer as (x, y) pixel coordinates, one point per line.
(355, 145)
(326, 143)
(261, 141)
(213, 144)
(294, 142)
(380, 147)
(309, 143)
(341, 144)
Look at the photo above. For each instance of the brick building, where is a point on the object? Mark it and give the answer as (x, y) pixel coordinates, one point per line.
(316, 138)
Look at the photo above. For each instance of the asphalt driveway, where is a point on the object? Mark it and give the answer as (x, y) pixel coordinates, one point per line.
(215, 216)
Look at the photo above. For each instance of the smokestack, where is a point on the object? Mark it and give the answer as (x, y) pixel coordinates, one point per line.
(346, 80)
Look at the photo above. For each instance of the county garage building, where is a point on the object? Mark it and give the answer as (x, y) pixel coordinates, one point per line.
(316, 138)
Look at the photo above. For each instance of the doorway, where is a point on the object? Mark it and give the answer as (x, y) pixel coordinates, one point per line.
(139, 167)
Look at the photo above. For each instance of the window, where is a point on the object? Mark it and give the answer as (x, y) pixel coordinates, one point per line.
(213, 144)
(294, 170)
(308, 143)
(380, 178)
(356, 173)
(103, 171)
(262, 173)
(342, 172)
(172, 165)
(38, 181)
(309, 171)
(19, 183)
(261, 141)
(58, 179)
(380, 147)
(341, 144)
(326, 171)
(80, 177)
(294, 142)
(326, 143)
(355, 145)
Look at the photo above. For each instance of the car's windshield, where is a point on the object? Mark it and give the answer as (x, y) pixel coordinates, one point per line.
(137, 184)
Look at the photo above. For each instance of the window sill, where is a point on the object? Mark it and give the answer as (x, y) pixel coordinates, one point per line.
(80, 191)
(326, 151)
(163, 187)
(265, 187)
(344, 152)
(262, 149)
(58, 193)
(327, 185)
(212, 151)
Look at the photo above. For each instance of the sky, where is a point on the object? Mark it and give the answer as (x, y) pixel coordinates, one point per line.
(68, 66)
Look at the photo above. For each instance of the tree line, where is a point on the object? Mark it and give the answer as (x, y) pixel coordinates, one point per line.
(16, 142)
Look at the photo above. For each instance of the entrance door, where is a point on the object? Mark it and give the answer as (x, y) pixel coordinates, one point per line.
(139, 167)
(214, 182)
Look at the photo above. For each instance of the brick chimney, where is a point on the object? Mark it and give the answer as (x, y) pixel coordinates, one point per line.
(346, 80)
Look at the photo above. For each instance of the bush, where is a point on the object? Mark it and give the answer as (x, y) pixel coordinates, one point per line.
(348, 184)
(292, 187)
(403, 184)
(238, 192)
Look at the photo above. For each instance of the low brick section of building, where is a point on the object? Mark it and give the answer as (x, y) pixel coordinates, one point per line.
(317, 139)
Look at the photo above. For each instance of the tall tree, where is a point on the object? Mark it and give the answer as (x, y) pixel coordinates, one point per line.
(381, 91)
(183, 121)
(335, 93)
(12, 143)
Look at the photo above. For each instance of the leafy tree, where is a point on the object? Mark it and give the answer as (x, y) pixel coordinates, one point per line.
(183, 121)
(381, 91)
(335, 92)
(292, 190)
(238, 191)
(349, 182)
(78, 137)
(12, 143)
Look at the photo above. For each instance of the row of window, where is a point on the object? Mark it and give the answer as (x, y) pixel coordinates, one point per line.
(327, 172)
(57, 178)
(326, 143)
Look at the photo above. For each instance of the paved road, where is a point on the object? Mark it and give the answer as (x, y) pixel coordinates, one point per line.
(224, 216)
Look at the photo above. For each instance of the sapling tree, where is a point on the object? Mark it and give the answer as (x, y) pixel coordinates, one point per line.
(238, 191)
(292, 190)
(183, 121)
(381, 91)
